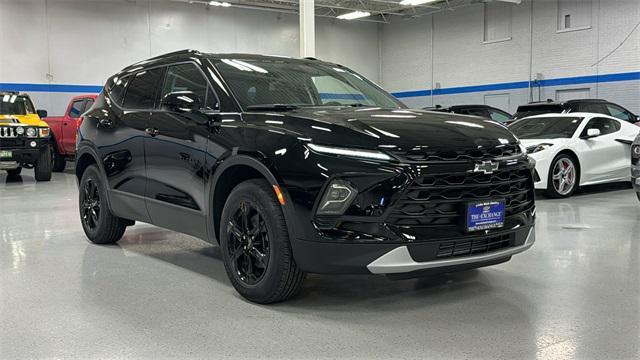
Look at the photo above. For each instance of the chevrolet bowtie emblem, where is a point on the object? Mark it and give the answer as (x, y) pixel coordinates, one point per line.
(486, 167)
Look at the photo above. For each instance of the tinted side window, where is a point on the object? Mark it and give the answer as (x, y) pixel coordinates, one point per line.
(77, 108)
(620, 113)
(88, 105)
(187, 77)
(591, 107)
(498, 116)
(116, 90)
(478, 112)
(606, 126)
(142, 89)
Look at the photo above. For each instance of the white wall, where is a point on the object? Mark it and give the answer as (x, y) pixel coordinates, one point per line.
(460, 58)
(82, 42)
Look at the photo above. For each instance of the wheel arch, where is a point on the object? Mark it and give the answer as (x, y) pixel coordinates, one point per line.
(572, 154)
(228, 174)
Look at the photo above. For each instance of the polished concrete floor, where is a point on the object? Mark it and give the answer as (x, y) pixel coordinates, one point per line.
(158, 294)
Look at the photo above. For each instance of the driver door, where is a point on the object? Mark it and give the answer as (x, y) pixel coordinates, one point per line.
(603, 158)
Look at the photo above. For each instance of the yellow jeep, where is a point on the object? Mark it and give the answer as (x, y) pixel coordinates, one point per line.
(24, 137)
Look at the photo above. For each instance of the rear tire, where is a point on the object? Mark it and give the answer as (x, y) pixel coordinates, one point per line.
(42, 168)
(99, 224)
(255, 246)
(14, 172)
(58, 161)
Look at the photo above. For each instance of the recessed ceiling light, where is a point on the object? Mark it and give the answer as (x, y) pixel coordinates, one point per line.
(354, 15)
(219, 3)
(415, 2)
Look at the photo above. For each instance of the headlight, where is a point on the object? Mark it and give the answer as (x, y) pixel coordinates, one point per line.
(536, 148)
(635, 151)
(31, 132)
(365, 154)
(43, 132)
(20, 130)
(337, 198)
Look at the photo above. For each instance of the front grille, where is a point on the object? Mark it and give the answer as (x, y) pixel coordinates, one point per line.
(423, 155)
(8, 132)
(438, 200)
(449, 249)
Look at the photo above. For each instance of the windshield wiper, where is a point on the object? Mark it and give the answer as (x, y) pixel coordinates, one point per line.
(273, 107)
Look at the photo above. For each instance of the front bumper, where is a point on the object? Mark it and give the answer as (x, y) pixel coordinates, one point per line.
(21, 150)
(418, 258)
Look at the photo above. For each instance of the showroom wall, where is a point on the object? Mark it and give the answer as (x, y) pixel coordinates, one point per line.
(82, 42)
(450, 53)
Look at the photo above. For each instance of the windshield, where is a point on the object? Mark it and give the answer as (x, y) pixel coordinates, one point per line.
(281, 81)
(546, 127)
(12, 104)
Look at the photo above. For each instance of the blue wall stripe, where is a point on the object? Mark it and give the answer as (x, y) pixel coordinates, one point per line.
(51, 88)
(628, 76)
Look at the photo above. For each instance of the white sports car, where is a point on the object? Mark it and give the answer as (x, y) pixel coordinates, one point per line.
(576, 149)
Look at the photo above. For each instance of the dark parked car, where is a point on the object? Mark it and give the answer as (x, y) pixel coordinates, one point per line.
(485, 111)
(635, 165)
(296, 166)
(579, 105)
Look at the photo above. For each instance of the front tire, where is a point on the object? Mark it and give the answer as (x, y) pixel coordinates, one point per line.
(255, 245)
(563, 178)
(42, 168)
(99, 224)
(14, 172)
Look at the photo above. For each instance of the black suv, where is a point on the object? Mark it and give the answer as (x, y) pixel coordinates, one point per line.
(635, 165)
(296, 166)
(484, 111)
(579, 105)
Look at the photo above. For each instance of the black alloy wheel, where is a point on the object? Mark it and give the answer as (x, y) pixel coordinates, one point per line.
(90, 208)
(255, 247)
(248, 243)
(98, 223)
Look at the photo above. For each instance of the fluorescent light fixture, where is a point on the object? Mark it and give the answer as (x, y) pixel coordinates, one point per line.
(354, 15)
(415, 2)
(367, 154)
(219, 3)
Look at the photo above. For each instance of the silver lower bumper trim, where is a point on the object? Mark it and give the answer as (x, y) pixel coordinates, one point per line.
(8, 165)
(399, 259)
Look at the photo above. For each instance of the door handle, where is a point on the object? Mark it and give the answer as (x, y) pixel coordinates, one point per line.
(152, 131)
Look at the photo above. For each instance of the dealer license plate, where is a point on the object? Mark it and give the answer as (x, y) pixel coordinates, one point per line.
(5, 154)
(485, 215)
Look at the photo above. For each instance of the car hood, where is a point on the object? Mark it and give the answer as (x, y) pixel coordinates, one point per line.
(30, 119)
(532, 142)
(385, 128)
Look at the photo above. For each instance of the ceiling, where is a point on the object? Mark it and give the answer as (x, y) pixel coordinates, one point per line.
(380, 10)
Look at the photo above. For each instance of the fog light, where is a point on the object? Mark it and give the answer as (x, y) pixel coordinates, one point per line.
(33, 144)
(20, 130)
(337, 198)
(636, 151)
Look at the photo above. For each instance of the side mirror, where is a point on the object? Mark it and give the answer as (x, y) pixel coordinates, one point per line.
(42, 113)
(182, 101)
(591, 133)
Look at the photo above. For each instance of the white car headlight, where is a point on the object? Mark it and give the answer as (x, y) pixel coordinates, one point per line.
(535, 148)
(31, 132)
(20, 130)
(365, 154)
